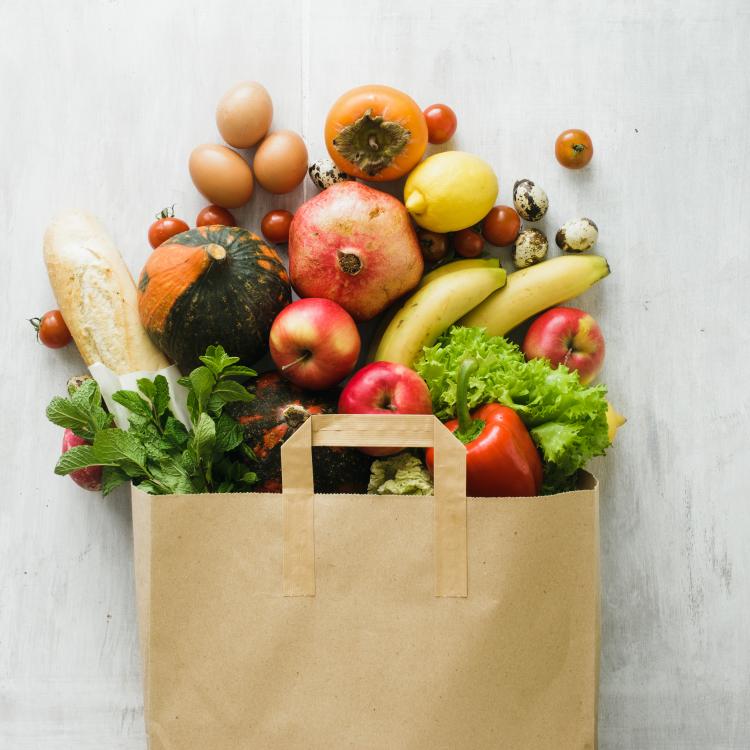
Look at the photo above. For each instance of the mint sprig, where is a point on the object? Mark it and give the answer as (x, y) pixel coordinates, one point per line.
(157, 452)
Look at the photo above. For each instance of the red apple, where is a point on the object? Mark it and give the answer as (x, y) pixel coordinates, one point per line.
(567, 336)
(314, 343)
(90, 478)
(385, 388)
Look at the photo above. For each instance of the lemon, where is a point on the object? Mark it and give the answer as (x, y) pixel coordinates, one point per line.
(450, 191)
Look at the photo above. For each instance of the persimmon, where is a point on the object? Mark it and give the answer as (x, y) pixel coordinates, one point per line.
(376, 133)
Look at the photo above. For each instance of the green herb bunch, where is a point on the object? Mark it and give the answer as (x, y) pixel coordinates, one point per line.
(157, 452)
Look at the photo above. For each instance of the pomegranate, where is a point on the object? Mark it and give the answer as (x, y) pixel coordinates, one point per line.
(90, 478)
(356, 246)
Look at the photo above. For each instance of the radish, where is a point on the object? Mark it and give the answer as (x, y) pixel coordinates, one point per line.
(89, 478)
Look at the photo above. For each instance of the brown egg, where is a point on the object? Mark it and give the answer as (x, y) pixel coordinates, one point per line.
(221, 175)
(281, 162)
(244, 114)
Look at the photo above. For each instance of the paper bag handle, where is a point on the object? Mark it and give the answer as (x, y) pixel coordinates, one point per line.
(374, 430)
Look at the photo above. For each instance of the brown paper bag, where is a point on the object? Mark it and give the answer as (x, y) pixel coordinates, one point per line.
(323, 622)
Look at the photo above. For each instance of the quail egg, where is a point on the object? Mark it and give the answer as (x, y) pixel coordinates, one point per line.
(530, 200)
(325, 173)
(577, 235)
(530, 248)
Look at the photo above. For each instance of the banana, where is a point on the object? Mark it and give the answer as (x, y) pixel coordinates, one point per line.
(534, 289)
(446, 268)
(458, 265)
(432, 309)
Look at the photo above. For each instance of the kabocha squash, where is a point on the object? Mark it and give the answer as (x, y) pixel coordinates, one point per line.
(212, 285)
(278, 409)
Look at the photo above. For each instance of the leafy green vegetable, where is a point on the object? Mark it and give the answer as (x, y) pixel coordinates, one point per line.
(566, 420)
(157, 452)
(402, 474)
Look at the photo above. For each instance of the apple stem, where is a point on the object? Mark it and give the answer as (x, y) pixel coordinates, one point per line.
(301, 358)
(468, 427)
(567, 356)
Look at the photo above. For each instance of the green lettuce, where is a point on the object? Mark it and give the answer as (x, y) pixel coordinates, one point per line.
(566, 420)
(402, 474)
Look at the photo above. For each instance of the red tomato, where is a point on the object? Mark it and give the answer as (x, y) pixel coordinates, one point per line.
(215, 215)
(433, 244)
(165, 226)
(275, 225)
(501, 226)
(51, 329)
(441, 123)
(573, 149)
(468, 243)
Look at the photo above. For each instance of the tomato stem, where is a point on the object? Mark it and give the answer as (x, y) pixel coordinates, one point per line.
(166, 213)
(579, 148)
(37, 324)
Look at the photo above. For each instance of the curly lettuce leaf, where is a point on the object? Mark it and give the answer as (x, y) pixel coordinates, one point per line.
(402, 474)
(566, 420)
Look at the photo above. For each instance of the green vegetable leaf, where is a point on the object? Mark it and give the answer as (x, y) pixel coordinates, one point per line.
(238, 371)
(112, 478)
(230, 391)
(64, 413)
(133, 402)
(119, 448)
(175, 433)
(171, 474)
(204, 438)
(147, 388)
(217, 360)
(229, 434)
(160, 399)
(79, 457)
(202, 381)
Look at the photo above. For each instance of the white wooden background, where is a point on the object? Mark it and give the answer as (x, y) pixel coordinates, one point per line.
(102, 102)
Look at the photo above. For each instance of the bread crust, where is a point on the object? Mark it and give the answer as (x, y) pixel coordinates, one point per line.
(97, 295)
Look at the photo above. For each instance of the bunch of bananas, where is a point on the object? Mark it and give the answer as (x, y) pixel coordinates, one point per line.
(477, 293)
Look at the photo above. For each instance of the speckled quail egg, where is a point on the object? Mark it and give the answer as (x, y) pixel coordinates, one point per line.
(325, 173)
(530, 248)
(530, 200)
(577, 235)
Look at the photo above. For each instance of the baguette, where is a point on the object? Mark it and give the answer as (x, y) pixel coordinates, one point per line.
(97, 296)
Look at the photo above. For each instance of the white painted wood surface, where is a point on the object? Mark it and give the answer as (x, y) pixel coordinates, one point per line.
(101, 104)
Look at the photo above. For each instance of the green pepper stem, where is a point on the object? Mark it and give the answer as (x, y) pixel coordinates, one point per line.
(468, 427)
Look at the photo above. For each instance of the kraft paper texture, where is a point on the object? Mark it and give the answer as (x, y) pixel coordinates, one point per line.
(324, 622)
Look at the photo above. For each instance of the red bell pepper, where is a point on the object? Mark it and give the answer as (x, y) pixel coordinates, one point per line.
(501, 458)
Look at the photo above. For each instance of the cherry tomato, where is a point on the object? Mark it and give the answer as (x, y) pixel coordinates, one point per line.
(441, 123)
(501, 226)
(468, 243)
(215, 215)
(433, 244)
(165, 226)
(573, 149)
(51, 329)
(275, 225)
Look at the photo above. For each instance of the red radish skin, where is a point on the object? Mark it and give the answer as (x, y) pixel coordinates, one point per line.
(356, 246)
(89, 479)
